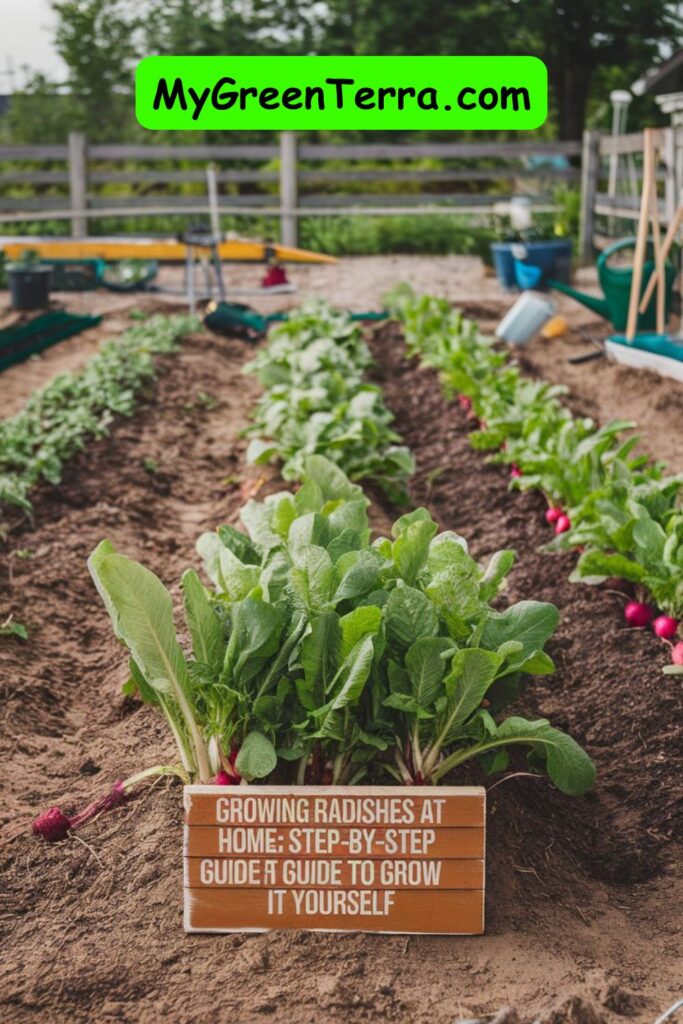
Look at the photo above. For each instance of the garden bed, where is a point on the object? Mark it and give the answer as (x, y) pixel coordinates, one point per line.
(583, 902)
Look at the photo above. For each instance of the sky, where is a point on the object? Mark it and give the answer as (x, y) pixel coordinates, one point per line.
(26, 38)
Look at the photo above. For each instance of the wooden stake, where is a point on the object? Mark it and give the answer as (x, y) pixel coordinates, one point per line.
(641, 239)
(657, 245)
(669, 239)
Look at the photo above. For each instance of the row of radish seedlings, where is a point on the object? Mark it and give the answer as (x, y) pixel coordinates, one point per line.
(318, 654)
(57, 420)
(619, 510)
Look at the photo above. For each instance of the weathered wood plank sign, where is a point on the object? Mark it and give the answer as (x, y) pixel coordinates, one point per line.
(343, 858)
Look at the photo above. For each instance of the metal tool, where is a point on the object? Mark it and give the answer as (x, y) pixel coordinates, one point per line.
(201, 244)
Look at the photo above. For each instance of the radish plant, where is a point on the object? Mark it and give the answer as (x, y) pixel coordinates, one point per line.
(12, 628)
(319, 655)
(629, 542)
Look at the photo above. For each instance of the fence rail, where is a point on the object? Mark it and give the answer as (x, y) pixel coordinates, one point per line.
(80, 182)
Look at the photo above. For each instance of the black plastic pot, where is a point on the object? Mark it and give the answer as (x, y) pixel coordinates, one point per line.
(29, 287)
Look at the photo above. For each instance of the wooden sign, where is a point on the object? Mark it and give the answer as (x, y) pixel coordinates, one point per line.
(341, 858)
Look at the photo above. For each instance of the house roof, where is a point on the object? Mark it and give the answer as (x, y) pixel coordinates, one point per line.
(664, 77)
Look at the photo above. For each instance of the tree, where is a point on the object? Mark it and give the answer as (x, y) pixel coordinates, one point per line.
(584, 44)
(577, 37)
(97, 41)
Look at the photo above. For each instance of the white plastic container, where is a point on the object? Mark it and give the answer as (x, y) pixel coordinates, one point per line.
(524, 320)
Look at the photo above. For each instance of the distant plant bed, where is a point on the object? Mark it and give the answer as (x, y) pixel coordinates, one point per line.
(438, 234)
(619, 510)
(320, 657)
(57, 420)
(316, 401)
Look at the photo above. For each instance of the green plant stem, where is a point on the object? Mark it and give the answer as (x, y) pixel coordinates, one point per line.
(417, 753)
(337, 769)
(402, 766)
(301, 769)
(185, 752)
(459, 756)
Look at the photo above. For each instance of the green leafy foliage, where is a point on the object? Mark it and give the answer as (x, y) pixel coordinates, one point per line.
(630, 542)
(57, 420)
(319, 654)
(316, 401)
(625, 513)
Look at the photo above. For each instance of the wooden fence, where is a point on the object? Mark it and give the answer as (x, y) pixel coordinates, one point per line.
(286, 179)
(289, 179)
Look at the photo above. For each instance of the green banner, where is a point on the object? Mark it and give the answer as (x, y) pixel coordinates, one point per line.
(346, 93)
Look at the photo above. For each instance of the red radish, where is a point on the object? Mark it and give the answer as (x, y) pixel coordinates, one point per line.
(553, 514)
(54, 825)
(465, 402)
(665, 627)
(515, 472)
(638, 614)
(223, 779)
(562, 524)
(677, 654)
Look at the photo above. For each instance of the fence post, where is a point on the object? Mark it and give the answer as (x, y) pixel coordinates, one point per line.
(668, 158)
(590, 170)
(78, 182)
(289, 228)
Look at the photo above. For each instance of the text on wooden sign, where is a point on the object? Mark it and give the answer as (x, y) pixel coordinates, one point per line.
(361, 858)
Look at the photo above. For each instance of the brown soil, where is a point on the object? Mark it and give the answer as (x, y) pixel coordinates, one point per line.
(583, 901)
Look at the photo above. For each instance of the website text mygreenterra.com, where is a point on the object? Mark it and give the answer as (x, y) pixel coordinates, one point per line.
(335, 94)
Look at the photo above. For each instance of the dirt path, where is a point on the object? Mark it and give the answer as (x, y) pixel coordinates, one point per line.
(582, 903)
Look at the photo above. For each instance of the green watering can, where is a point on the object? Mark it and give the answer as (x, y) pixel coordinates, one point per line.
(236, 318)
(616, 285)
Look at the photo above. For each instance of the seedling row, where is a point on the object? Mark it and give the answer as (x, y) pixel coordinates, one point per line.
(618, 509)
(58, 420)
